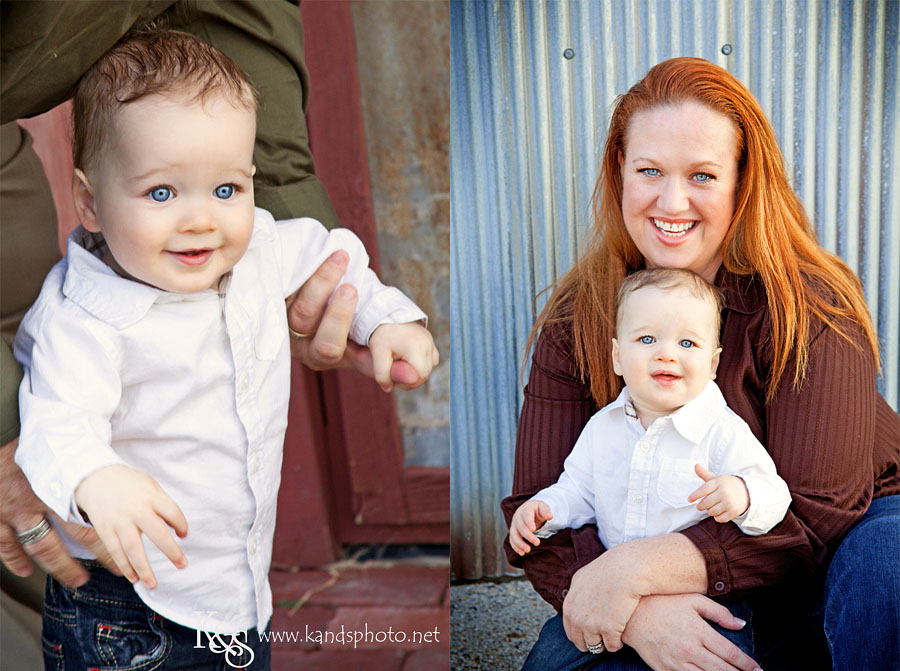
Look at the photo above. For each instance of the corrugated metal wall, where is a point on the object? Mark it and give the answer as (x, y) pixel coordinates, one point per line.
(532, 84)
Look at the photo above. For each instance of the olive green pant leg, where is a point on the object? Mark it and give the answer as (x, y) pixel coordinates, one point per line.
(20, 637)
(265, 39)
(47, 46)
(28, 249)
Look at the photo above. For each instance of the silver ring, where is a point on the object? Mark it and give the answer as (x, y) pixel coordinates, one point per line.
(300, 336)
(35, 533)
(596, 649)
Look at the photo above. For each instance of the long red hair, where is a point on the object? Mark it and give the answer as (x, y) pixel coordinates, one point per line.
(769, 236)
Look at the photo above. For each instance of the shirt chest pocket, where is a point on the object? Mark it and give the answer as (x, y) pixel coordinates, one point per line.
(676, 481)
(271, 330)
(264, 324)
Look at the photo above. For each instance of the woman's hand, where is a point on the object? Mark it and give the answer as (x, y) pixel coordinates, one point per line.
(600, 602)
(604, 594)
(670, 632)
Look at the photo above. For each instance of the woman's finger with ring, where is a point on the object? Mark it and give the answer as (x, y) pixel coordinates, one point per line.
(596, 648)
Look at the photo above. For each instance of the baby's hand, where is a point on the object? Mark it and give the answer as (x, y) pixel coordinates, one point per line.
(411, 343)
(724, 497)
(528, 518)
(122, 503)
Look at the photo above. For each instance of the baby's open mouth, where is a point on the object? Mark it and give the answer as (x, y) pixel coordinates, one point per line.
(665, 377)
(192, 257)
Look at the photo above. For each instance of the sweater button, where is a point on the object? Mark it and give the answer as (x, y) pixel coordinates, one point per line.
(719, 586)
(564, 592)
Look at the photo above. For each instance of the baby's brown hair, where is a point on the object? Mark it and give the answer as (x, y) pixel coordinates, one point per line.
(671, 278)
(145, 62)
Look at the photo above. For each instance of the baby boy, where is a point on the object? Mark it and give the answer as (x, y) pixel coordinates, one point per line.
(643, 460)
(157, 358)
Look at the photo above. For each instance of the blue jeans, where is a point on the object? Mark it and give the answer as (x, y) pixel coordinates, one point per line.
(859, 612)
(861, 601)
(555, 652)
(104, 625)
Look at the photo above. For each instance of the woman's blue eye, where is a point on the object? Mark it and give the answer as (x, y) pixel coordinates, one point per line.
(650, 172)
(687, 344)
(161, 194)
(225, 191)
(703, 177)
(647, 340)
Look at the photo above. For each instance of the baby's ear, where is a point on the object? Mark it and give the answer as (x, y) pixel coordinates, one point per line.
(617, 369)
(83, 195)
(715, 363)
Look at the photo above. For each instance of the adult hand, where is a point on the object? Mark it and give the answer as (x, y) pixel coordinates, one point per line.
(21, 510)
(670, 632)
(328, 325)
(606, 581)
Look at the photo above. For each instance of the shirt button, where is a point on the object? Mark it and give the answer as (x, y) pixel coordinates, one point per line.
(253, 545)
(644, 446)
(638, 498)
(719, 586)
(244, 382)
(254, 464)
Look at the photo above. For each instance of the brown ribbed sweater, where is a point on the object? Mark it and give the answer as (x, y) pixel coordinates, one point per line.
(835, 441)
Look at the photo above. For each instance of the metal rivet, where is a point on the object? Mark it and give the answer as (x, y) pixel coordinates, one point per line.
(569, 54)
(726, 49)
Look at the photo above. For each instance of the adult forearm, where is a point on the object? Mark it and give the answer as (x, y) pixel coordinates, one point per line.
(668, 564)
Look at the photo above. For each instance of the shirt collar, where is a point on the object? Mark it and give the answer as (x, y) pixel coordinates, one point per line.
(692, 420)
(696, 417)
(96, 287)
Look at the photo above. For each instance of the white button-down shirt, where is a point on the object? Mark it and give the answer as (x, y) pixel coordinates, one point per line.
(190, 388)
(634, 483)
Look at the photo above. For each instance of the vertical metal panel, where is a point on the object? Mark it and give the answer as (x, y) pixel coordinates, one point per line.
(527, 127)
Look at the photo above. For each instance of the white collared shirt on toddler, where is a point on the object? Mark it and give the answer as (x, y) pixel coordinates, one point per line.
(192, 389)
(634, 483)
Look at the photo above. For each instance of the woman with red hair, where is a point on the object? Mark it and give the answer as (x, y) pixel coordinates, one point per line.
(692, 177)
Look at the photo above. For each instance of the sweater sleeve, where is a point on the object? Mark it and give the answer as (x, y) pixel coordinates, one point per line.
(556, 408)
(820, 437)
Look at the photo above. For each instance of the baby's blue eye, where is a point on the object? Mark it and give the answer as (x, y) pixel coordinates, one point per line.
(161, 194)
(647, 340)
(687, 344)
(225, 191)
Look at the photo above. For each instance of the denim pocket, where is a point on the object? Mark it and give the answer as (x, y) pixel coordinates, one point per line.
(54, 659)
(101, 625)
(130, 643)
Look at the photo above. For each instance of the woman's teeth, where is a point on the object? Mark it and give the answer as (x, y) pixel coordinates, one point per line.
(673, 230)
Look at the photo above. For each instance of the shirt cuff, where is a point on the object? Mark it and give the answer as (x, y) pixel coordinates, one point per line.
(769, 501)
(388, 306)
(559, 508)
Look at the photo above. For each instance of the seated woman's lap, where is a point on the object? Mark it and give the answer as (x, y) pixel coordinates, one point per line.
(860, 608)
(861, 600)
(555, 652)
